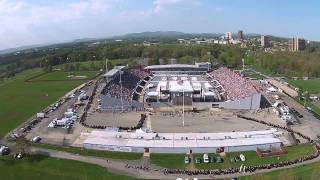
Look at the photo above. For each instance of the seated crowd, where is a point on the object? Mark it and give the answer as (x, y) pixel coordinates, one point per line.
(235, 86)
(129, 80)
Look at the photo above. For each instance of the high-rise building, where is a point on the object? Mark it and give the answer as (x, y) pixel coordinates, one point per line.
(240, 35)
(228, 36)
(265, 41)
(296, 44)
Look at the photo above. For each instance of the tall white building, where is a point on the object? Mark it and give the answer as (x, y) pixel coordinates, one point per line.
(228, 36)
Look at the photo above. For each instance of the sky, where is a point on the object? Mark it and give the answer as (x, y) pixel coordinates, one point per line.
(29, 22)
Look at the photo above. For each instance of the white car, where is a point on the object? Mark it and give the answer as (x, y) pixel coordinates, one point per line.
(36, 139)
(242, 157)
(206, 158)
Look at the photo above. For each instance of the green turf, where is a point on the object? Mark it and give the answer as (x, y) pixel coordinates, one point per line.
(294, 152)
(168, 160)
(312, 86)
(90, 152)
(310, 172)
(20, 100)
(61, 75)
(41, 167)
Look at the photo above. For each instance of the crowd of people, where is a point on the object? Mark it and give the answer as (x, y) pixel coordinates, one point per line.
(255, 167)
(235, 86)
(129, 80)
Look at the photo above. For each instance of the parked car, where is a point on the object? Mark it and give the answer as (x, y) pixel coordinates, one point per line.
(36, 139)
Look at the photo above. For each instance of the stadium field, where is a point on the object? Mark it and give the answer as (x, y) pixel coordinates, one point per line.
(63, 76)
(313, 86)
(41, 167)
(19, 100)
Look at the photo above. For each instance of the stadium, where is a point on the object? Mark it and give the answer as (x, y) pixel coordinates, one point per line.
(175, 108)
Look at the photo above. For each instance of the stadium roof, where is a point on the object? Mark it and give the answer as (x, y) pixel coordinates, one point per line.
(173, 66)
(113, 71)
(178, 140)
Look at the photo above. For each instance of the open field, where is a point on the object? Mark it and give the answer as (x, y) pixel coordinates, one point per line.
(89, 152)
(62, 76)
(310, 171)
(177, 160)
(40, 167)
(19, 100)
(313, 85)
(96, 65)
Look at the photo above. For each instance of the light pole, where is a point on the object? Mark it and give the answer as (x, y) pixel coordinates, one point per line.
(183, 107)
(121, 91)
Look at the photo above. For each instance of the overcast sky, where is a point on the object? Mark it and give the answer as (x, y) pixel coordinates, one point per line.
(27, 22)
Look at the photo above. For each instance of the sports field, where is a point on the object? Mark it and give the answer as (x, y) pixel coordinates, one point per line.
(41, 167)
(313, 86)
(20, 100)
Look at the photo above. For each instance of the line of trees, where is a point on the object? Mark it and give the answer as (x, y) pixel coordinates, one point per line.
(290, 64)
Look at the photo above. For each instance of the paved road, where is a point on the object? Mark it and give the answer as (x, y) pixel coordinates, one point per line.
(119, 166)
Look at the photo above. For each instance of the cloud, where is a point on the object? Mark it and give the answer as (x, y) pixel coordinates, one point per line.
(7, 7)
(161, 5)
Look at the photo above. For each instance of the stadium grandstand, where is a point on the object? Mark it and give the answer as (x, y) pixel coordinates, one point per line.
(201, 87)
(123, 89)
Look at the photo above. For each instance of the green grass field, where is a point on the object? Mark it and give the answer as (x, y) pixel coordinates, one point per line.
(91, 65)
(310, 172)
(313, 86)
(41, 167)
(294, 152)
(177, 160)
(90, 152)
(62, 76)
(168, 160)
(20, 100)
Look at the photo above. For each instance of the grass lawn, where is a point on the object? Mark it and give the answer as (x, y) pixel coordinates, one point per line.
(91, 152)
(41, 167)
(20, 100)
(90, 65)
(310, 171)
(61, 75)
(168, 160)
(312, 86)
(294, 152)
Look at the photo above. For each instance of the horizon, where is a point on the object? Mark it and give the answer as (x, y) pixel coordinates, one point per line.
(33, 22)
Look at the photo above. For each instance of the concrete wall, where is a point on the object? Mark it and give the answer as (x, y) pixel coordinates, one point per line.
(251, 102)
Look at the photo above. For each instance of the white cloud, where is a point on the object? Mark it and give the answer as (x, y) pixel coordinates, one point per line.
(7, 7)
